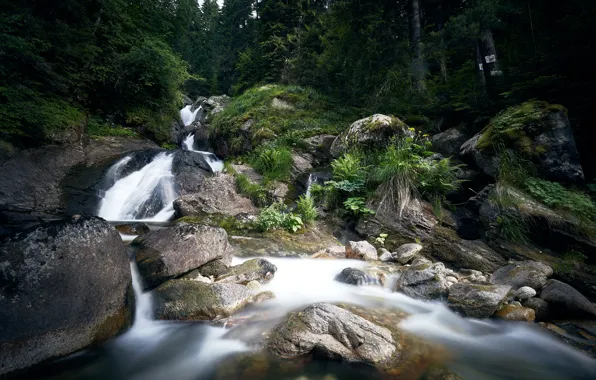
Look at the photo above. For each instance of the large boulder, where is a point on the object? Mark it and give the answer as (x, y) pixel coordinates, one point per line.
(259, 270)
(425, 281)
(526, 273)
(63, 286)
(215, 105)
(190, 170)
(373, 131)
(449, 142)
(215, 195)
(353, 276)
(334, 333)
(566, 301)
(406, 253)
(361, 250)
(535, 129)
(169, 252)
(195, 300)
(477, 301)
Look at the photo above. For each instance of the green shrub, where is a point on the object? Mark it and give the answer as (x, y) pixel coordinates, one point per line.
(305, 207)
(275, 163)
(357, 206)
(97, 127)
(276, 216)
(349, 168)
(556, 196)
(257, 193)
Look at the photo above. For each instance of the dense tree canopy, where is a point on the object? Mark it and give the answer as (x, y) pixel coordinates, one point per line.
(435, 63)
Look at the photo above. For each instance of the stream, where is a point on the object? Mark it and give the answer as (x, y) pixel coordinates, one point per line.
(152, 349)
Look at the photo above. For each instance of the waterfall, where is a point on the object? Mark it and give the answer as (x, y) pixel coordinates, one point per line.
(143, 307)
(309, 183)
(146, 194)
(188, 116)
(215, 163)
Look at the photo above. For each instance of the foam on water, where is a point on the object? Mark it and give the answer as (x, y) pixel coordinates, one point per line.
(188, 116)
(215, 163)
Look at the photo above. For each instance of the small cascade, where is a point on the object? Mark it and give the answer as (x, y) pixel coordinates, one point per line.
(215, 163)
(188, 116)
(144, 307)
(309, 183)
(316, 178)
(146, 194)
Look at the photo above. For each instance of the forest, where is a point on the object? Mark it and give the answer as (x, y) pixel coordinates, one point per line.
(436, 64)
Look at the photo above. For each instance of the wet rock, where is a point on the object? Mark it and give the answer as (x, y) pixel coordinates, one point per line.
(361, 250)
(564, 300)
(540, 307)
(133, 228)
(63, 286)
(526, 273)
(254, 285)
(190, 170)
(352, 276)
(426, 281)
(301, 163)
(449, 142)
(516, 313)
(477, 301)
(451, 279)
(407, 252)
(525, 293)
(374, 131)
(385, 256)
(334, 333)
(215, 195)
(259, 270)
(263, 296)
(331, 252)
(170, 252)
(190, 300)
(215, 268)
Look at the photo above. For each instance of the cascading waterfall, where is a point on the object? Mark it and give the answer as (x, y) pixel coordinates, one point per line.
(188, 116)
(146, 194)
(215, 163)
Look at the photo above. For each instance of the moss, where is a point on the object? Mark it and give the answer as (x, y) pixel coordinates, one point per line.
(515, 126)
(228, 223)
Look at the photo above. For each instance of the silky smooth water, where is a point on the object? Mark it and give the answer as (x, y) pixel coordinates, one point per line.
(188, 116)
(215, 163)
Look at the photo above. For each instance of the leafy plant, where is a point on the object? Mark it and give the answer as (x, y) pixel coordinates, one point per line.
(257, 193)
(555, 195)
(357, 206)
(381, 239)
(349, 168)
(293, 223)
(276, 216)
(275, 163)
(305, 207)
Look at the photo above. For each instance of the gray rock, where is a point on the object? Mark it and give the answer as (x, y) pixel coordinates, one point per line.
(525, 293)
(352, 276)
(426, 281)
(259, 270)
(477, 301)
(407, 252)
(170, 252)
(215, 268)
(334, 333)
(385, 256)
(361, 250)
(191, 300)
(301, 164)
(487, 161)
(451, 279)
(449, 141)
(215, 195)
(526, 273)
(420, 261)
(190, 170)
(565, 300)
(373, 131)
(540, 307)
(63, 286)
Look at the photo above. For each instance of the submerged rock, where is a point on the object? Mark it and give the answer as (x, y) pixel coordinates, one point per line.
(425, 281)
(63, 286)
(477, 301)
(565, 300)
(259, 270)
(191, 300)
(333, 333)
(516, 313)
(373, 131)
(361, 250)
(170, 252)
(353, 276)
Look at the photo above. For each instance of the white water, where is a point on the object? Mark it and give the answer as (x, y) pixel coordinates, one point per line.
(188, 117)
(127, 199)
(215, 163)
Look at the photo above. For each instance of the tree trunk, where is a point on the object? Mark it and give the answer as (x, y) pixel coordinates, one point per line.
(492, 70)
(416, 46)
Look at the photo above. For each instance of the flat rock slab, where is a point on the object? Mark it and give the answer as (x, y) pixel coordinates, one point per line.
(477, 301)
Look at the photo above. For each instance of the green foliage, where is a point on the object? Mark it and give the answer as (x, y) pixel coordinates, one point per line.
(405, 171)
(96, 127)
(275, 163)
(357, 206)
(257, 193)
(381, 239)
(513, 228)
(276, 216)
(349, 168)
(569, 263)
(556, 196)
(305, 207)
